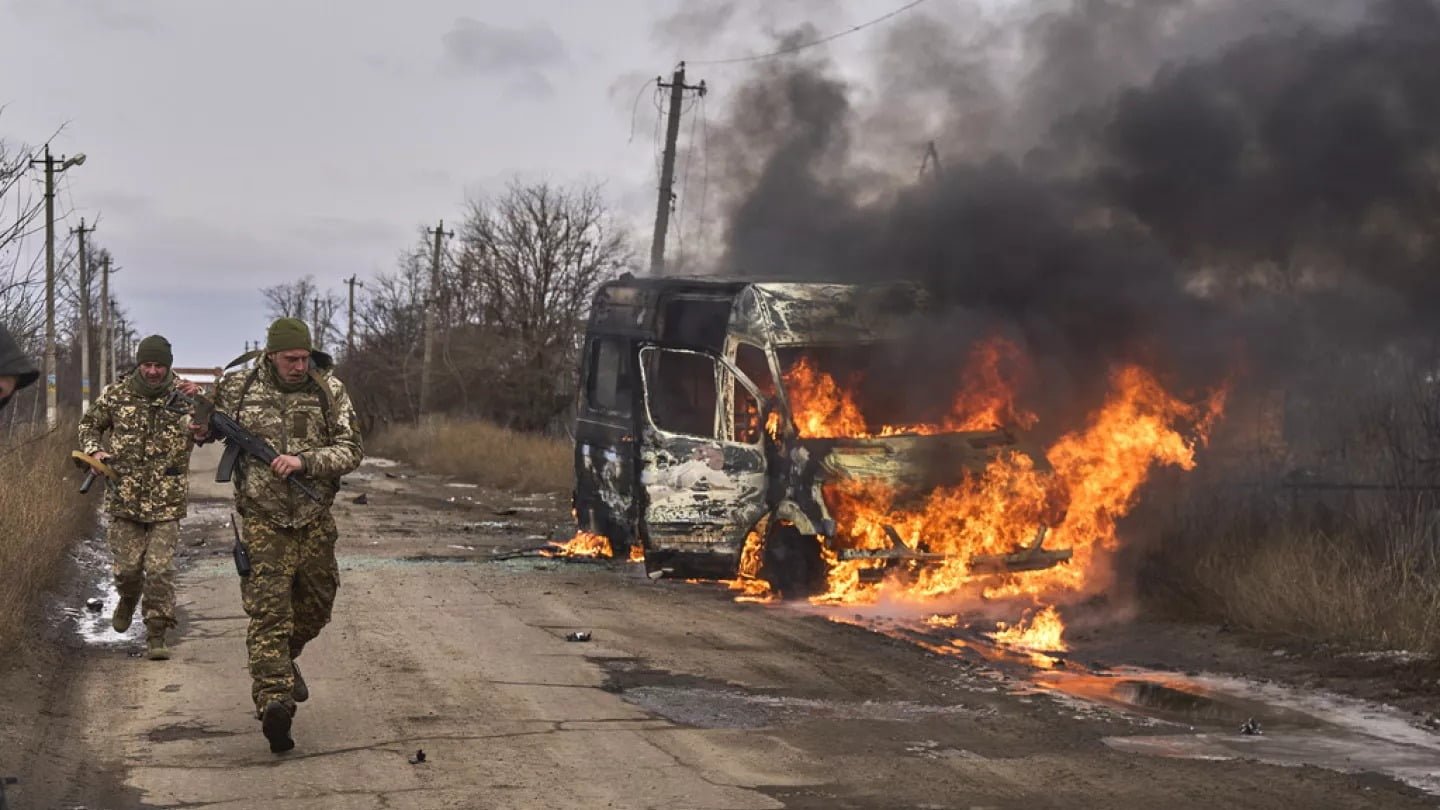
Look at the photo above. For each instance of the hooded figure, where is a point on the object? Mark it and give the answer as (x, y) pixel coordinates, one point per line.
(16, 370)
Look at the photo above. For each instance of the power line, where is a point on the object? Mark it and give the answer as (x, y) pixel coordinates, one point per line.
(804, 45)
(635, 108)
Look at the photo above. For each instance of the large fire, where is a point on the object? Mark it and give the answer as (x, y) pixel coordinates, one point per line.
(1093, 479)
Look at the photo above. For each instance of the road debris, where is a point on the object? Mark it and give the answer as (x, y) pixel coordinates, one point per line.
(578, 635)
(94, 604)
(361, 499)
(419, 757)
(1251, 727)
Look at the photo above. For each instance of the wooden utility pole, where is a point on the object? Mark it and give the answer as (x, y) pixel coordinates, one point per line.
(931, 160)
(352, 283)
(432, 304)
(52, 412)
(115, 321)
(84, 314)
(107, 368)
(319, 327)
(677, 89)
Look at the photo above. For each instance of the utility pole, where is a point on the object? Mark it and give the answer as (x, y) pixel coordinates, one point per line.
(352, 283)
(319, 327)
(84, 315)
(677, 89)
(52, 409)
(115, 320)
(426, 370)
(931, 160)
(106, 367)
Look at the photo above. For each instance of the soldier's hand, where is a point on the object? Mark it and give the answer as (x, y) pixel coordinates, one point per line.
(189, 388)
(199, 432)
(100, 455)
(285, 466)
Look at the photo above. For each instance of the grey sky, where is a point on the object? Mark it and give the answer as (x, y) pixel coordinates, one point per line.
(237, 145)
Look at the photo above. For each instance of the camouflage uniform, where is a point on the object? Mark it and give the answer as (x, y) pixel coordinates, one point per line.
(150, 453)
(291, 539)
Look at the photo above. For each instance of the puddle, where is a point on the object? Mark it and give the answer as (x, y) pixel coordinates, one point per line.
(93, 627)
(1205, 710)
(377, 461)
(459, 485)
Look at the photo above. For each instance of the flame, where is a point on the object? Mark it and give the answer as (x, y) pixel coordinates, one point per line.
(583, 544)
(824, 410)
(1042, 632)
(637, 553)
(747, 581)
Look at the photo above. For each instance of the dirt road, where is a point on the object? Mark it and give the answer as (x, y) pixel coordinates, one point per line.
(682, 698)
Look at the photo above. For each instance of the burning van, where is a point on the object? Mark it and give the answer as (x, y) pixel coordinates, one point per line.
(717, 433)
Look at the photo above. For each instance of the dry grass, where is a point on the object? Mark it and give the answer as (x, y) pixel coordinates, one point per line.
(41, 518)
(482, 453)
(1366, 577)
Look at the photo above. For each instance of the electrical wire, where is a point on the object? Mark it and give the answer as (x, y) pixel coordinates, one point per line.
(635, 108)
(805, 45)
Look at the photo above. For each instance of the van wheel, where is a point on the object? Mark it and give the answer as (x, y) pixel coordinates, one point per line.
(791, 563)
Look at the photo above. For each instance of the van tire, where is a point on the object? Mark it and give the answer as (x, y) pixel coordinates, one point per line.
(791, 563)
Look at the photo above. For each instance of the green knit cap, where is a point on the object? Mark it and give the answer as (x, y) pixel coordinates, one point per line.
(154, 349)
(288, 334)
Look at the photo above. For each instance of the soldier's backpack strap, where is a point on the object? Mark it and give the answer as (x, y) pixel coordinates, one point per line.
(245, 390)
(324, 402)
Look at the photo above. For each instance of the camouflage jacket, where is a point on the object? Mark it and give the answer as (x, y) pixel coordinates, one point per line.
(318, 427)
(150, 453)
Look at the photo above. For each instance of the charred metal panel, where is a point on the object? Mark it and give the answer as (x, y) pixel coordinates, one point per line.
(783, 314)
(700, 493)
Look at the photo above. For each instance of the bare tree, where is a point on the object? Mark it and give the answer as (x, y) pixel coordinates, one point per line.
(303, 299)
(528, 266)
(511, 301)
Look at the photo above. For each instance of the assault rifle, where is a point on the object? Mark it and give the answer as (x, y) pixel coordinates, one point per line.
(238, 440)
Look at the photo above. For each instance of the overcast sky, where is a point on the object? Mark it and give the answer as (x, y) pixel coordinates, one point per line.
(233, 146)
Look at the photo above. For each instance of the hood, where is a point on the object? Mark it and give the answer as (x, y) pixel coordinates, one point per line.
(915, 461)
(13, 361)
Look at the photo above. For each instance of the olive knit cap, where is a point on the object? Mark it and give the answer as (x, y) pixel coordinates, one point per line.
(288, 334)
(154, 349)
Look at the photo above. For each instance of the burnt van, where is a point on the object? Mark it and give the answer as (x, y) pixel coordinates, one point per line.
(686, 445)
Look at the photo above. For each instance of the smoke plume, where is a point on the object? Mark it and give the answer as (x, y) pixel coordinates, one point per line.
(1205, 187)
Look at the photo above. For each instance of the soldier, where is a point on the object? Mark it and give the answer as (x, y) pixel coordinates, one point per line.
(150, 453)
(16, 370)
(291, 400)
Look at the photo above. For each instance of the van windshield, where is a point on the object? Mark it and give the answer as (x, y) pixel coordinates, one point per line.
(883, 389)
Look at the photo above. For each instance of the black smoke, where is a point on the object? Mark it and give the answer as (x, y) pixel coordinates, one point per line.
(1209, 188)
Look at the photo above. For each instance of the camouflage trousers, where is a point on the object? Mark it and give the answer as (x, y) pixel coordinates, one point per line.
(144, 564)
(288, 596)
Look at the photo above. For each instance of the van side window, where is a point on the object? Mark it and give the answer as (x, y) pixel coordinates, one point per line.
(752, 363)
(746, 416)
(680, 390)
(609, 386)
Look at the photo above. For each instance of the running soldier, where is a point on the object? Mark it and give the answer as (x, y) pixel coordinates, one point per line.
(150, 453)
(291, 400)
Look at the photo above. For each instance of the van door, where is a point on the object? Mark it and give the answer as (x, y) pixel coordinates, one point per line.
(702, 455)
(605, 440)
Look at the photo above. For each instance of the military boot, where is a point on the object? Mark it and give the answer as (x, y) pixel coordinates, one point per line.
(155, 648)
(275, 723)
(300, 692)
(124, 612)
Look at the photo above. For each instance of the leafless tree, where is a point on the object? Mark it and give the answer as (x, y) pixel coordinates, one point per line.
(303, 299)
(513, 294)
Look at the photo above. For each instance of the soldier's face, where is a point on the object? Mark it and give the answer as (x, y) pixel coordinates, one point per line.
(7, 386)
(291, 365)
(153, 373)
